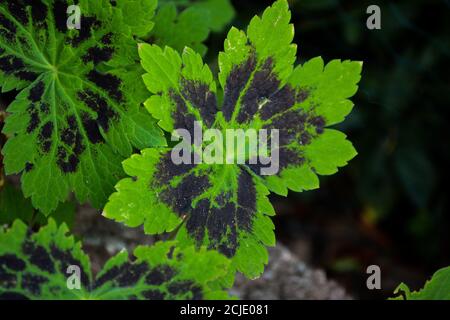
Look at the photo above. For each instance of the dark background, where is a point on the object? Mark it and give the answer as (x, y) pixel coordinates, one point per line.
(389, 206)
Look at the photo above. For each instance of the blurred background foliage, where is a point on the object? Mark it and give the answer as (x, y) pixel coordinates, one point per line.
(389, 206)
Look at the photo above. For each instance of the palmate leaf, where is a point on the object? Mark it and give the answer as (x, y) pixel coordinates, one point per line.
(225, 207)
(79, 112)
(437, 288)
(34, 266)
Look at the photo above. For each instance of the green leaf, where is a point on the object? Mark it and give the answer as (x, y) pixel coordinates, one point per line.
(34, 266)
(162, 272)
(437, 288)
(185, 23)
(225, 206)
(79, 112)
(14, 206)
(221, 12)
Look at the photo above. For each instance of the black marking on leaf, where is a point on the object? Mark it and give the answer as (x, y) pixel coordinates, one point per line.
(60, 16)
(107, 39)
(38, 256)
(34, 119)
(180, 287)
(12, 296)
(99, 105)
(72, 137)
(18, 10)
(197, 293)
(8, 29)
(201, 98)
(223, 198)
(28, 167)
(318, 122)
(305, 138)
(10, 64)
(183, 287)
(182, 118)
(263, 85)
(159, 275)
(246, 199)
(44, 107)
(224, 221)
(289, 157)
(235, 83)
(286, 137)
(12, 262)
(221, 226)
(68, 136)
(85, 32)
(279, 102)
(45, 137)
(67, 162)
(293, 120)
(108, 82)
(46, 146)
(92, 129)
(166, 170)
(196, 223)
(38, 11)
(170, 253)
(302, 95)
(97, 54)
(66, 259)
(153, 294)
(26, 75)
(180, 197)
(7, 280)
(36, 92)
(289, 125)
(109, 275)
(47, 130)
(24, 43)
(131, 274)
(33, 283)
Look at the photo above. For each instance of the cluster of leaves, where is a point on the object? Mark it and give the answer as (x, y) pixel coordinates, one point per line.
(225, 207)
(437, 288)
(79, 114)
(36, 266)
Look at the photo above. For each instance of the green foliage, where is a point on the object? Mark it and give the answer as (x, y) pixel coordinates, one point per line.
(13, 205)
(437, 288)
(78, 113)
(225, 207)
(34, 266)
(192, 25)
